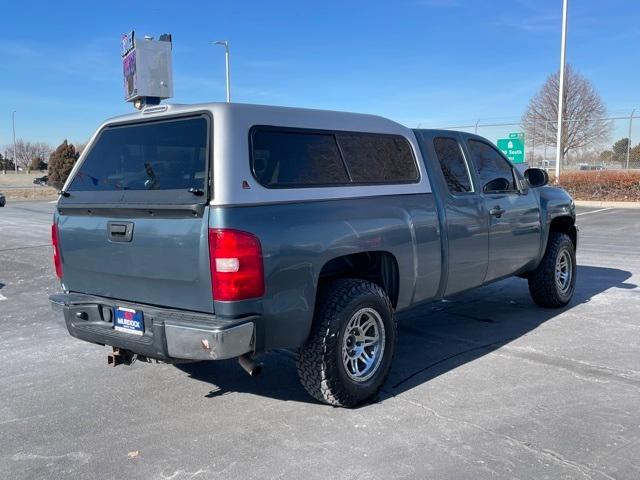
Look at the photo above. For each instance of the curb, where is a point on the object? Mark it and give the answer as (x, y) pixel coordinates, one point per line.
(604, 204)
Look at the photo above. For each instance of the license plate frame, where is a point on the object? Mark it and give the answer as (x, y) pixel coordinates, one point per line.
(128, 320)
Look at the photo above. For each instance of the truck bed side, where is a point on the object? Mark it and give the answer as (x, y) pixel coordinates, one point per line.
(299, 239)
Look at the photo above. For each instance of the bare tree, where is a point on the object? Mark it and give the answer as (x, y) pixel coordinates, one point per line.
(583, 114)
(42, 150)
(26, 151)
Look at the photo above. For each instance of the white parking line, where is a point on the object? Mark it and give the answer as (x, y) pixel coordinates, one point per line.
(595, 211)
(2, 297)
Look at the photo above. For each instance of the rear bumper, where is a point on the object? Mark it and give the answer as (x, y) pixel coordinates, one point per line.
(169, 334)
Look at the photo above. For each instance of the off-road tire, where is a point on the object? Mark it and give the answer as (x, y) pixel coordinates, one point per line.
(320, 365)
(542, 281)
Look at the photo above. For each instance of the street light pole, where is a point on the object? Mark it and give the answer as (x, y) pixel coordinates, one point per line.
(225, 44)
(546, 126)
(15, 152)
(563, 50)
(629, 137)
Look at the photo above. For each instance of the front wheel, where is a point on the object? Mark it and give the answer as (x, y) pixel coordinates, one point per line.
(552, 284)
(348, 354)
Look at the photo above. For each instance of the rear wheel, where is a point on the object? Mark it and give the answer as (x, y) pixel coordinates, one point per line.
(348, 354)
(552, 284)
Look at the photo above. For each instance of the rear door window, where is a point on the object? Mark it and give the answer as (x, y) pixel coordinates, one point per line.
(150, 156)
(453, 165)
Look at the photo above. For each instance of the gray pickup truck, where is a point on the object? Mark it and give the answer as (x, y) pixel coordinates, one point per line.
(218, 231)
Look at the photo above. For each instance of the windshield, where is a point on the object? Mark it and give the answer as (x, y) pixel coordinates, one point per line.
(167, 155)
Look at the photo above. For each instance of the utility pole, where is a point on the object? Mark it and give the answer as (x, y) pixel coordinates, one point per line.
(15, 152)
(546, 125)
(629, 137)
(563, 50)
(533, 144)
(225, 44)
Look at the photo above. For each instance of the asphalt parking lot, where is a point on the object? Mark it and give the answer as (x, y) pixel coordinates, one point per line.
(486, 385)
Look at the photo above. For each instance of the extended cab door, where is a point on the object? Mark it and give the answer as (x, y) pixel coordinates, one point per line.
(465, 220)
(513, 211)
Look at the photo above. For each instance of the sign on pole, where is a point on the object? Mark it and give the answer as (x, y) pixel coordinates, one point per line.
(513, 147)
(147, 68)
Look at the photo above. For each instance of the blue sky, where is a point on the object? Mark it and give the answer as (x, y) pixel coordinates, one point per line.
(434, 62)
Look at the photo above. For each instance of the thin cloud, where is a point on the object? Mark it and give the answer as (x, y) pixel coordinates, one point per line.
(531, 17)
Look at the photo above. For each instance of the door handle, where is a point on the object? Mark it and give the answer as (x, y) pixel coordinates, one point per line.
(119, 231)
(497, 211)
(116, 229)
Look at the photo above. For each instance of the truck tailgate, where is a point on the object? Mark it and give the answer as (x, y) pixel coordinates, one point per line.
(165, 262)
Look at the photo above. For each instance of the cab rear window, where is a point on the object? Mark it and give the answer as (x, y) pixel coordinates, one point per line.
(165, 155)
(287, 158)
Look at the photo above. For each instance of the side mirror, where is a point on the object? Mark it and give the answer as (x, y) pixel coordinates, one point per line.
(536, 177)
(499, 184)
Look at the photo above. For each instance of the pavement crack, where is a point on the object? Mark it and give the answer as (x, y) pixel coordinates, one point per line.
(585, 470)
(583, 370)
(470, 317)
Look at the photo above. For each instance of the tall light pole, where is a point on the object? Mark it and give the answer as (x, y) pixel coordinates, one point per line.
(15, 152)
(563, 51)
(225, 44)
(629, 142)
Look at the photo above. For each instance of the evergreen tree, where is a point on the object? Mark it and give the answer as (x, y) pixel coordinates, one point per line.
(37, 164)
(6, 163)
(61, 162)
(620, 150)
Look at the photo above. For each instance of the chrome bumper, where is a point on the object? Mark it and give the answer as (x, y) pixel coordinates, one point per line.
(199, 343)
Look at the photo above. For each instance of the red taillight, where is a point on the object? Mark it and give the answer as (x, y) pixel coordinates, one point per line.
(236, 265)
(55, 242)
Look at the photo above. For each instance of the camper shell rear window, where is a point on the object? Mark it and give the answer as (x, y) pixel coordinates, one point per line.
(147, 161)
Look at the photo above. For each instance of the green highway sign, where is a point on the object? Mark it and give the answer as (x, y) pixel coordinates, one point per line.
(513, 147)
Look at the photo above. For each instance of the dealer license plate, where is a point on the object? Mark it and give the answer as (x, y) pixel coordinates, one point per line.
(129, 321)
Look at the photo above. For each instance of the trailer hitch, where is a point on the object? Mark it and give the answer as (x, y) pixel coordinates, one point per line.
(120, 357)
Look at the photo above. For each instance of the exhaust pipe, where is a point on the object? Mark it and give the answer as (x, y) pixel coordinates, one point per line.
(119, 357)
(250, 366)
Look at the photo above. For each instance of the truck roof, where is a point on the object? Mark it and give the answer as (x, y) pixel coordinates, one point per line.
(246, 113)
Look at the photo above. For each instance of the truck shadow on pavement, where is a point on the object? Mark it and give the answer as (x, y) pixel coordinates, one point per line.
(432, 339)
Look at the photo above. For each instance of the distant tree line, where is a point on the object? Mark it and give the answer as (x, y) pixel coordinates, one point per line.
(40, 156)
(618, 153)
(28, 155)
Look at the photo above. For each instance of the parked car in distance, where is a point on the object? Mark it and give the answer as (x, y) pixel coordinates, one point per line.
(41, 180)
(585, 166)
(218, 231)
(3, 200)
